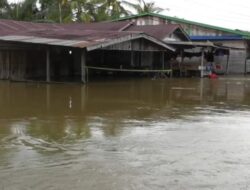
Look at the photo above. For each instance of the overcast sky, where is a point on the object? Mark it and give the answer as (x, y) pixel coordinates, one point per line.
(234, 14)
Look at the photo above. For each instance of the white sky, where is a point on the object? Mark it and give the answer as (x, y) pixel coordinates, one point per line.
(234, 14)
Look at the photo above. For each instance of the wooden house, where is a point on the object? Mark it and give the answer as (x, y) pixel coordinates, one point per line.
(66, 52)
(236, 41)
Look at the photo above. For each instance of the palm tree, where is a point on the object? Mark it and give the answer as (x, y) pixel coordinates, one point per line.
(58, 11)
(97, 10)
(115, 8)
(144, 7)
(64, 10)
(4, 9)
(25, 10)
(83, 10)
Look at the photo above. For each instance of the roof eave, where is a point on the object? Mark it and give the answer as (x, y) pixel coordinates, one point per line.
(130, 37)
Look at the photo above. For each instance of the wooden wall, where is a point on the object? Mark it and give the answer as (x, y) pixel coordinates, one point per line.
(22, 65)
(237, 57)
(4, 65)
(137, 45)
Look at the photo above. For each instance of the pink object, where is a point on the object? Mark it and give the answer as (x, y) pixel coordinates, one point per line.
(213, 76)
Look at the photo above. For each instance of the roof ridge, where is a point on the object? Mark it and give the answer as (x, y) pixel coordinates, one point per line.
(234, 31)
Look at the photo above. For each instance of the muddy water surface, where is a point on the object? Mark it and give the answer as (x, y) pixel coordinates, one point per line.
(133, 134)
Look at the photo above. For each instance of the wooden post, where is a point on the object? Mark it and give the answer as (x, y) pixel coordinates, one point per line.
(181, 63)
(83, 66)
(245, 69)
(47, 66)
(131, 54)
(83, 97)
(171, 68)
(48, 96)
(102, 57)
(201, 89)
(163, 60)
(8, 65)
(140, 58)
(227, 66)
(132, 58)
(202, 63)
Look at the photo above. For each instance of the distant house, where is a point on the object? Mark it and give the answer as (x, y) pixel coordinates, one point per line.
(238, 41)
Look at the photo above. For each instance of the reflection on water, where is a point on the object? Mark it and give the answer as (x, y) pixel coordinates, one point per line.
(135, 134)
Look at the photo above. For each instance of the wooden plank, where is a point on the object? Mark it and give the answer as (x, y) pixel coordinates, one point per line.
(130, 70)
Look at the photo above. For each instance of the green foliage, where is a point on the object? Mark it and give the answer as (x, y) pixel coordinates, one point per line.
(64, 11)
(4, 9)
(144, 7)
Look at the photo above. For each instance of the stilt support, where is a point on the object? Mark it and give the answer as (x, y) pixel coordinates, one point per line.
(227, 66)
(163, 60)
(48, 66)
(202, 63)
(83, 66)
(245, 68)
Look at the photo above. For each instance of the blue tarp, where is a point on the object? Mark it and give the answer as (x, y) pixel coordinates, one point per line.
(215, 38)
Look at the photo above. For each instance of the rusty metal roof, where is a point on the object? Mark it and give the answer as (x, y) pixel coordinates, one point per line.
(12, 26)
(90, 44)
(90, 36)
(160, 31)
(100, 26)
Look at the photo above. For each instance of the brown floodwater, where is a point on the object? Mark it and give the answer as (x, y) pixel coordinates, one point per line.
(126, 134)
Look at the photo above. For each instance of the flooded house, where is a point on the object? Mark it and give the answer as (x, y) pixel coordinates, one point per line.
(72, 52)
(232, 58)
(80, 52)
(191, 58)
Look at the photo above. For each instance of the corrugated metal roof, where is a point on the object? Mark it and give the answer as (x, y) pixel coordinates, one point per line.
(90, 44)
(88, 36)
(11, 26)
(159, 31)
(56, 38)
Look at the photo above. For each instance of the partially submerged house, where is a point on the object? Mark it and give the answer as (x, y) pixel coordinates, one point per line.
(72, 52)
(65, 52)
(235, 60)
(191, 58)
